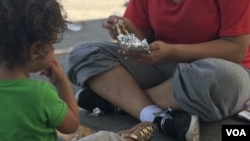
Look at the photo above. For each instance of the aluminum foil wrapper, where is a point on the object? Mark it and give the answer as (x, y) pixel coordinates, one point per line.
(131, 43)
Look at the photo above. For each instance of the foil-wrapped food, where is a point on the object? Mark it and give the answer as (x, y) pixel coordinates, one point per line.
(129, 41)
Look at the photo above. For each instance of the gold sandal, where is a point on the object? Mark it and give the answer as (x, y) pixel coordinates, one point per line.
(143, 131)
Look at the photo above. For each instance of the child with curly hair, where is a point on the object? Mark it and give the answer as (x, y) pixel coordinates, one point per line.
(33, 110)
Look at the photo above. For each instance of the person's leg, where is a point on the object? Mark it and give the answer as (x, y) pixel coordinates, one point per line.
(115, 79)
(121, 82)
(119, 87)
(210, 88)
(88, 59)
(176, 122)
(162, 95)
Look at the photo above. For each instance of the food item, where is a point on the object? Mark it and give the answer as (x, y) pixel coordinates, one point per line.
(129, 41)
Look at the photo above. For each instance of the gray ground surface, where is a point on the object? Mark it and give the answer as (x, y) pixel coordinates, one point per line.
(89, 14)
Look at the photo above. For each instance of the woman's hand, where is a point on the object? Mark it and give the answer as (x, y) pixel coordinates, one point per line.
(158, 53)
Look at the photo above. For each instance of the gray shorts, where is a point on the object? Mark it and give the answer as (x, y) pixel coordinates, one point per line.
(210, 88)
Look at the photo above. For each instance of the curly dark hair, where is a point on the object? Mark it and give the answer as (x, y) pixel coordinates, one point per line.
(24, 22)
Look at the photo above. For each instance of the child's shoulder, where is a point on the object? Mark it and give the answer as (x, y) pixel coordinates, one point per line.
(30, 83)
(40, 83)
(22, 81)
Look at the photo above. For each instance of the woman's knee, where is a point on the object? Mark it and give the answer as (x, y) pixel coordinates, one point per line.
(220, 86)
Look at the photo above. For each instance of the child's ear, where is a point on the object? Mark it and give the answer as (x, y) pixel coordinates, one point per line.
(34, 51)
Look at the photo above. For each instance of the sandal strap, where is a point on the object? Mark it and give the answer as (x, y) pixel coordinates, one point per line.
(141, 132)
(132, 136)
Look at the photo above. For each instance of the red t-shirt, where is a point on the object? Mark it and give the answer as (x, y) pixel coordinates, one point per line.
(191, 21)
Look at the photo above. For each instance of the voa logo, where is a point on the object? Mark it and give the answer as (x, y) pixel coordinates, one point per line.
(236, 132)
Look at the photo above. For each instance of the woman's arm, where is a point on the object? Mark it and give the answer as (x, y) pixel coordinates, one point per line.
(230, 48)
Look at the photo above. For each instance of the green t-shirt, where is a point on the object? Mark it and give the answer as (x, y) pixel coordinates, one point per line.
(30, 110)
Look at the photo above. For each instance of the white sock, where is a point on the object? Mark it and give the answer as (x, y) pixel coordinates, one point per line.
(147, 113)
